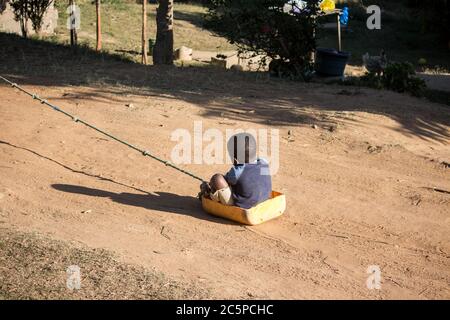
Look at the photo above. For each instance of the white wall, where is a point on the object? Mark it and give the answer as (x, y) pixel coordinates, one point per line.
(8, 24)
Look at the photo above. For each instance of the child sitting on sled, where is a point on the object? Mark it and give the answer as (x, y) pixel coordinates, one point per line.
(247, 183)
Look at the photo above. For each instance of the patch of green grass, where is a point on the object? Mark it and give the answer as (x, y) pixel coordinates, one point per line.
(122, 23)
(401, 36)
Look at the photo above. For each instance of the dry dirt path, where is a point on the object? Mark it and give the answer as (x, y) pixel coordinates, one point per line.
(360, 194)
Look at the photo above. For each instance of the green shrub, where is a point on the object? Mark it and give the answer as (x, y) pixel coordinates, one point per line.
(398, 76)
(264, 28)
(32, 10)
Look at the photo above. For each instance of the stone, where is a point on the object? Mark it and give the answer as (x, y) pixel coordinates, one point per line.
(237, 68)
(183, 54)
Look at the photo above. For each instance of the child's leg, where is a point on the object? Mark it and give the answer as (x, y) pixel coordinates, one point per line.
(220, 190)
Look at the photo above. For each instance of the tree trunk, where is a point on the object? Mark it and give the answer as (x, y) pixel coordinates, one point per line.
(24, 27)
(163, 50)
(73, 37)
(99, 26)
(38, 32)
(144, 32)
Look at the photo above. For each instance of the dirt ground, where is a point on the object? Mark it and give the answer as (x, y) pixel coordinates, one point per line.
(365, 173)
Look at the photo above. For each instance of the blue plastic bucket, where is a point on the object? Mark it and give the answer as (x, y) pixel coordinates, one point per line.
(330, 62)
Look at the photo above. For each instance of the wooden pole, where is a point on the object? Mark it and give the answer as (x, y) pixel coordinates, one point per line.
(144, 32)
(313, 53)
(339, 31)
(73, 30)
(99, 26)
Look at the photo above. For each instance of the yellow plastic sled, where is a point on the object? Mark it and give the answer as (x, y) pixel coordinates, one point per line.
(265, 211)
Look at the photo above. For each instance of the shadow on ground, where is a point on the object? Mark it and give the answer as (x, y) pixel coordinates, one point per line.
(196, 18)
(101, 178)
(160, 201)
(251, 97)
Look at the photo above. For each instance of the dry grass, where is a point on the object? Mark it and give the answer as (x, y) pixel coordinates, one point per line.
(400, 35)
(121, 26)
(34, 267)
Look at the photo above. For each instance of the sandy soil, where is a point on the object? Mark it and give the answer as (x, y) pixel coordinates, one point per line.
(373, 190)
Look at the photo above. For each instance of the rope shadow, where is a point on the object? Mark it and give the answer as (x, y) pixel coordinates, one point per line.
(99, 177)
